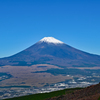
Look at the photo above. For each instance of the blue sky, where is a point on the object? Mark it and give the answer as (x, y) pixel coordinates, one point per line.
(24, 22)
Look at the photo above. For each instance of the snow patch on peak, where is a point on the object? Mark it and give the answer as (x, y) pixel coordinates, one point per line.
(51, 40)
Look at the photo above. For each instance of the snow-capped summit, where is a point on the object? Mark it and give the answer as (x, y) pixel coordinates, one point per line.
(51, 51)
(51, 40)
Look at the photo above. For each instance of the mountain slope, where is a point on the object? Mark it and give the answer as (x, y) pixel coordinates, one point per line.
(53, 51)
(89, 93)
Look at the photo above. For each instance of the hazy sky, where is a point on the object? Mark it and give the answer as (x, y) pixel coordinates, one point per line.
(24, 22)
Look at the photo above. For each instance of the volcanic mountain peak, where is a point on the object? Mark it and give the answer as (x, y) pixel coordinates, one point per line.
(51, 40)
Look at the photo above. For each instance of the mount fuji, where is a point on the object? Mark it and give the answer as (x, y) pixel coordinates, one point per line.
(52, 51)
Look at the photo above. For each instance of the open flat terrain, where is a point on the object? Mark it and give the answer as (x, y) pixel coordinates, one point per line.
(25, 76)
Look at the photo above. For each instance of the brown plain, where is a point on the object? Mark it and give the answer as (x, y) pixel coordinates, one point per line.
(23, 76)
